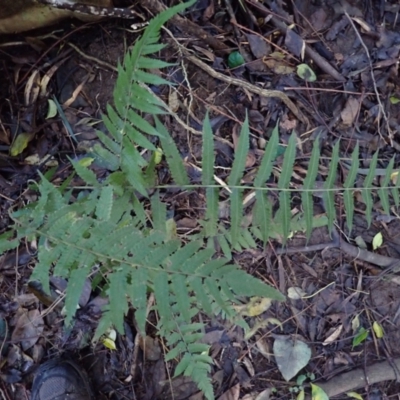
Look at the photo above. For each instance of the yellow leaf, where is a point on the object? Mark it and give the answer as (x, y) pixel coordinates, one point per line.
(377, 241)
(317, 393)
(256, 306)
(52, 110)
(393, 177)
(394, 100)
(20, 143)
(354, 395)
(86, 161)
(301, 395)
(110, 344)
(158, 156)
(377, 327)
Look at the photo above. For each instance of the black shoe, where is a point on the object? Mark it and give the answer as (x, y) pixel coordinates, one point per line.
(61, 380)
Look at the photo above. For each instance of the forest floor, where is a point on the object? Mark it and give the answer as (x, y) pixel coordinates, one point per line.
(341, 302)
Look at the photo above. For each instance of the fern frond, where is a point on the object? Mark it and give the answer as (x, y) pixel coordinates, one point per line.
(367, 191)
(283, 184)
(349, 185)
(309, 182)
(383, 192)
(328, 194)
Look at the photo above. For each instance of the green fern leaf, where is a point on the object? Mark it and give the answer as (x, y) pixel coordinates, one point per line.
(383, 191)
(236, 214)
(283, 185)
(328, 194)
(131, 163)
(159, 213)
(266, 165)
(117, 296)
(179, 260)
(152, 63)
(235, 176)
(161, 292)
(309, 182)
(225, 247)
(202, 297)
(367, 191)
(349, 185)
(208, 161)
(179, 287)
(395, 190)
(241, 152)
(105, 203)
(173, 156)
(85, 173)
(262, 215)
(7, 244)
(74, 289)
(242, 283)
(137, 291)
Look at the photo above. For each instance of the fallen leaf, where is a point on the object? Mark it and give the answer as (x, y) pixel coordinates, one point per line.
(28, 328)
(291, 356)
(150, 347)
(296, 293)
(258, 45)
(256, 306)
(377, 241)
(265, 394)
(333, 336)
(20, 143)
(350, 111)
(378, 330)
(317, 393)
(306, 73)
(231, 394)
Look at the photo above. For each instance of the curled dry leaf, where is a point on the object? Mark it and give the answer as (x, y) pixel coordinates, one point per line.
(333, 335)
(296, 293)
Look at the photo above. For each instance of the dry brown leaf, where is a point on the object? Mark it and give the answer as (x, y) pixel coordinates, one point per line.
(231, 394)
(150, 347)
(28, 328)
(350, 111)
(333, 335)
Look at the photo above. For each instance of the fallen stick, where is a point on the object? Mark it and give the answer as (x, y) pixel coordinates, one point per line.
(360, 377)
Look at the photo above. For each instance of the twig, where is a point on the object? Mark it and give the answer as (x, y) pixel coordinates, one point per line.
(250, 87)
(349, 249)
(371, 68)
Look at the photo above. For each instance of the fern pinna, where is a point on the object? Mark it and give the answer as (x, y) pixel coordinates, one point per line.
(108, 226)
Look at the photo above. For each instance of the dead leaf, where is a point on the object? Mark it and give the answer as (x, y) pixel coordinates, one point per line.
(295, 43)
(278, 67)
(258, 45)
(20, 143)
(173, 101)
(231, 394)
(256, 306)
(350, 111)
(150, 347)
(263, 347)
(333, 335)
(209, 11)
(28, 328)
